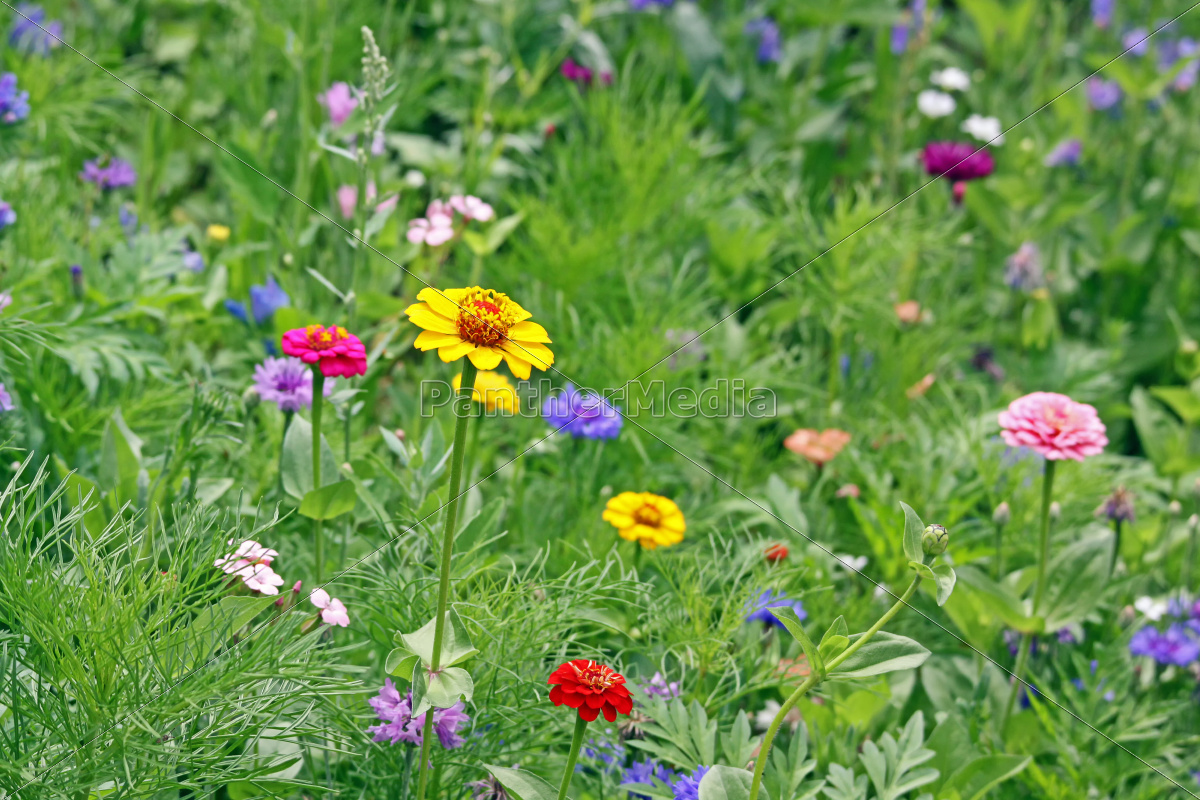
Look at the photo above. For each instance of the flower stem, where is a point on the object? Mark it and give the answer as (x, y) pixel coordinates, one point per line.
(462, 409)
(318, 402)
(999, 560)
(576, 743)
(878, 626)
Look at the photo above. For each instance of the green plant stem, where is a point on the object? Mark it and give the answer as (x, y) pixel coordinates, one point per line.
(815, 677)
(576, 744)
(318, 403)
(999, 552)
(1112, 567)
(1191, 557)
(462, 410)
(287, 423)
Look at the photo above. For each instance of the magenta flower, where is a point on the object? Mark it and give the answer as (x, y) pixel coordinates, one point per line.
(339, 101)
(1054, 426)
(471, 207)
(286, 382)
(333, 611)
(341, 354)
(252, 563)
(399, 725)
(957, 161)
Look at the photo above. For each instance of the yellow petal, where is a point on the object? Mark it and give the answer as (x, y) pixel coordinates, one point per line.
(486, 358)
(617, 518)
(537, 354)
(517, 314)
(443, 302)
(429, 340)
(626, 501)
(519, 367)
(456, 351)
(528, 332)
(425, 317)
(627, 534)
(674, 523)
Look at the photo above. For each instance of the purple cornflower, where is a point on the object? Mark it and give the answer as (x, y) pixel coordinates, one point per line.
(688, 786)
(14, 104)
(642, 5)
(7, 215)
(287, 382)
(1186, 79)
(760, 609)
(1064, 153)
(1102, 94)
(1136, 42)
(903, 32)
(399, 725)
(659, 687)
(339, 101)
(113, 175)
(192, 260)
(1023, 270)
(32, 33)
(1118, 506)
(643, 772)
(582, 414)
(606, 753)
(1102, 12)
(1174, 646)
(770, 44)
(6, 403)
(266, 300)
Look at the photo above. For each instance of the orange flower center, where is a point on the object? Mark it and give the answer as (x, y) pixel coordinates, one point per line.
(648, 515)
(595, 676)
(484, 320)
(320, 337)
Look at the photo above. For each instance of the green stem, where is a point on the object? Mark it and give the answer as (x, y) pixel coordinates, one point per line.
(878, 626)
(576, 744)
(462, 410)
(318, 403)
(1116, 545)
(287, 423)
(999, 551)
(1191, 556)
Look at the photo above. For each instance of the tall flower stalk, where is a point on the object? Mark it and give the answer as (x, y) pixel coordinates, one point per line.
(318, 406)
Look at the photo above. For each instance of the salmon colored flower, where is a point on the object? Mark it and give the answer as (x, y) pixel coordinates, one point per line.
(646, 518)
(776, 552)
(482, 324)
(819, 447)
(340, 354)
(493, 390)
(592, 688)
(908, 312)
(919, 388)
(1053, 425)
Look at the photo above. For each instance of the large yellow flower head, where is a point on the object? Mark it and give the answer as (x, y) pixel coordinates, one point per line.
(493, 390)
(482, 324)
(646, 518)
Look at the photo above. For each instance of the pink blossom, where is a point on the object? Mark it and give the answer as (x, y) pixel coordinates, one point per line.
(339, 101)
(260, 578)
(5, 300)
(1053, 425)
(471, 207)
(340, 353)
(347, 197)
(333, 611)
(434, 230)
(251, 562)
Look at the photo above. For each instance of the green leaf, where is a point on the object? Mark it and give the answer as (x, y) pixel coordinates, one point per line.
(1182, 400)
(788, 617)
(456, 642)
(329, 501)
(245, 790)
(885, 652)
(913, 528)
(521, 784)
(212, 627)
(975, 779)
(1078, 576)
(994, 601)
(400, 662)
(441, 689)
(482, 526)
(835, 640)
(297, 460)
(120, 458)
(942, 575)
(728, 783)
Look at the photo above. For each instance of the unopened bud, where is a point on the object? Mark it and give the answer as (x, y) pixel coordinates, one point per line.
(1002, 514)
(251, 398)
(1055, 510)
(934, 540)
(1175, 508)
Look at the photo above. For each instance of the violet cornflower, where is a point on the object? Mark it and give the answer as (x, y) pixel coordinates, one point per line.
(14, 104)
(266, 300)
(7, 215)
(659, 687)
(1065, 153)
(688, 786)
(1102, 12)
(399, 725)
(915, 21)
(6, 403)
(287, 382)
(5, 300)
(582, 414)
(760, 609)
(1136, 42)
(1103, 95)
(1023, 270)
(1172, 647)
(1118, 506)
(642, 5)
(33, 33)
(644, 772)
(339, 101)
(770, 44)
(113, 175)
(192, 261)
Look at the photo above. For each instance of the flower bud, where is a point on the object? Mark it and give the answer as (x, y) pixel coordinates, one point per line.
(1055, 510)
(251, 398)
(1002, 514)
(1175, 508)
(934, 540)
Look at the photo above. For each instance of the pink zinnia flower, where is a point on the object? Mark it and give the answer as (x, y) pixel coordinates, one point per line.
(339, 101)
(340, 354)
(471, 207)
(333, 611)
(1053, 425)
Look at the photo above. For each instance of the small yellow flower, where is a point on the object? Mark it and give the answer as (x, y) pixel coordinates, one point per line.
(482, 324)
(219, 233)
(493, 390)
(646, 518)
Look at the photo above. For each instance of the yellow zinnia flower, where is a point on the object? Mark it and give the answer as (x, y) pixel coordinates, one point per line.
(218, 233)
(482, 324)
(493, 390)
(646, 518)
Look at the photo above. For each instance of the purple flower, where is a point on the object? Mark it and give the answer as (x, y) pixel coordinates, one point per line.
(287, 382)
(1064, 153)
(916, 21)
(1186, 79)
(14, 104)
(770, 45)
(577, 73)
(128, 218)
(582, 414)
(642, 5)
(1118, 506)
(339, 101)
(644, 772)
(659, 687)
(238, 309)
(957, 161)
(688, 786)
(1136, 42)
(399, 725)
(1023, 270)
(760, 609)
(1174, 646)
(6, 403)
(7, 215)
(686, 344)
(5, 300)
(113, 175)
(192, 260)
(1102, 94)
(266, 300)
(606, 753)
(32, 33)
(1102, 12)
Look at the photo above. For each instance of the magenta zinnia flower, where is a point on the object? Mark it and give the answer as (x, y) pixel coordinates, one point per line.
(1053, 425)
(399, 725)
(957, 161)
(340, 354)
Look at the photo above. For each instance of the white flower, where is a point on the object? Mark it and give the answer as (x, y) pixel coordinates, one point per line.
(951, 78)
(852, 563)
(1154, 610)
(985, 129)
(933, 103)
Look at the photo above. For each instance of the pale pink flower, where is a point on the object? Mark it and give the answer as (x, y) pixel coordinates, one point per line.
(439, 207)
(1053, 425)
(433, 230)
(260, 578)
(339, 101)
(471, 207)
(347, 197)
(333, 611)
(251, 562)
(5, 300)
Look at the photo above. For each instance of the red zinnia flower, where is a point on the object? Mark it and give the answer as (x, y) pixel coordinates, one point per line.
(776, 552)
(341, 354)
(591, 688)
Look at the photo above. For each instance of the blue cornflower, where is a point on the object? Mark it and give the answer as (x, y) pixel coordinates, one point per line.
(582, 414)
(642, 5)
(770, 44)
(238, 309)
(688, 786)
(266, 300)
(14, 104)
(1102, 12)
(1102, 94)
(1066, 153)
(903, 32)
(7, 215)
(128, 218)
(643, 772)
(192, 260)
(1174, 646)
(760, 609)
(33, 33)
